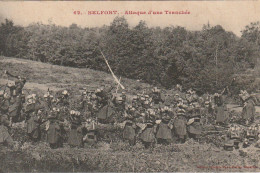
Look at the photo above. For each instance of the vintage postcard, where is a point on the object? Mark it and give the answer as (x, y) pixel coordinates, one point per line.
(129, 86)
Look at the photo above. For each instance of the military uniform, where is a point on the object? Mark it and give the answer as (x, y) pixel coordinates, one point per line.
(75, 135)
(5, 138)
(15, 108)
(54, 134)
(33, 127)
(164, 133)
(129, 133)
(220, 109)
(4, 104)
(248, 112)
(148, 134)
(180, 125)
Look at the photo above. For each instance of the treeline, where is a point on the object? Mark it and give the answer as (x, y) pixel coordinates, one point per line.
(205, 60)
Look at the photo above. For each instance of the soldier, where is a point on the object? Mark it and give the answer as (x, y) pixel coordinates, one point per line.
(164, 133)
(85, 103)
(220, 109)
(194, 125)
(148, 134)
(157, 96)
(15, 108)
(179, 87)
(4, 102)
(75, 135)
(129, 133)
(64, 99)
(180, 125)
(250, 137)
(91, 134)
(5, 138)
(54, 134)
(248, 112)
(19, 84)
(30, 106)
(33, 126)
(48, 98)
(105, 114)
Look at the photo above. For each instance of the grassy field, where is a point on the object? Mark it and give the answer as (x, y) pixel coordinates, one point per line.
(115, 156)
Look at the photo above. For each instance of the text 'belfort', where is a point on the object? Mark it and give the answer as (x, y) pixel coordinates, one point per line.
(115, 12)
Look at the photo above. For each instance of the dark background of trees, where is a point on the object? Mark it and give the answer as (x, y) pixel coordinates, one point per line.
(206, 60)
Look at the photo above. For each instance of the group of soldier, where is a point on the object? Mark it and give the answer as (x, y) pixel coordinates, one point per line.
(152, 116)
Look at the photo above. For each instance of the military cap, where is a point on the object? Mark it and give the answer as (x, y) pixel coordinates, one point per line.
(98, 90)
(134, 97)
(65, 92)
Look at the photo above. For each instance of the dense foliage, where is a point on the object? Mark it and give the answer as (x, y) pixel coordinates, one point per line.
(206, 60)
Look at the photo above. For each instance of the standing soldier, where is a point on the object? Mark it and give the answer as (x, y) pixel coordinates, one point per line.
(164, 133)
(180, 124)
(19, 84)
(194, 125)
(220, 109)
(15, 108)
(129, 129)
(75, 135)
(54, 137)
(148, 134)
(16, 97)
(33, 126)
(157, 96)
(248, 112)
(48, 101)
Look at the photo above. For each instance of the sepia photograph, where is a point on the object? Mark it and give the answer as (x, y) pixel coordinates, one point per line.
(129, 86)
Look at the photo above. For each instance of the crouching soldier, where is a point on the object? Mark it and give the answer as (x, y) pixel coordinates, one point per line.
(75, 136)
(250, 137)
(91, 132)
(54, 137)
(234, 137)
(148, 134)
(164, 133)
(129, 133)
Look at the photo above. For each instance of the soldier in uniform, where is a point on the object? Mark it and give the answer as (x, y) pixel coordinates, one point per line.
(4, 102)
(194, 125)
(164, 133)
(75, 135)
(15, 108)
(157, 96)
(248, 112)
(19, 84)
(5, 138)
(91, 132)
(251, 136)
(129, 133)
(48, 101)
(220, 109)
(180, 125)
(148, 134)
(54, 134)
(33, 125)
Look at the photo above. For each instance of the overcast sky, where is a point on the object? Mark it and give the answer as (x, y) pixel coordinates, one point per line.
(232, 15)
